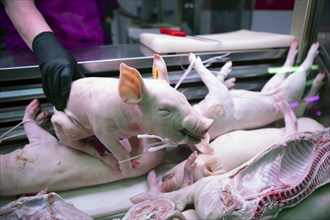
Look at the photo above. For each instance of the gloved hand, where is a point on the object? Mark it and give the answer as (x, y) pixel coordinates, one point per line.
(58, 68)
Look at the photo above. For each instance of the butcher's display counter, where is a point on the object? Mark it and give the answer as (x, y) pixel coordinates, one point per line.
(20, 82)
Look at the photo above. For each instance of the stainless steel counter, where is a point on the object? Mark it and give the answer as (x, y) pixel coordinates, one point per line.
(23, 65)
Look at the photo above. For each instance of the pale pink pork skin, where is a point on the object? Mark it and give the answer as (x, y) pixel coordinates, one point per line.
(277, 178)
(115, 109)
(242, 109)
(46, 163)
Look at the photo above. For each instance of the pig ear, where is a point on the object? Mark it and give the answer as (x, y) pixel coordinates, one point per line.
(159, 70)
(130, 84)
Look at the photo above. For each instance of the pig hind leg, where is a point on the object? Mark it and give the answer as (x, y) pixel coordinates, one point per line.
(316, 85)
(33, 131)
(280, 76)
(294, 85)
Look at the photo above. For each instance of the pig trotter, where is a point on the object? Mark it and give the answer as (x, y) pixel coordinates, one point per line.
(31, 110)
(189, 170)
(154, 182)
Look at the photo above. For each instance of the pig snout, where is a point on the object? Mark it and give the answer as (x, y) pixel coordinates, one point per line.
(195, 128)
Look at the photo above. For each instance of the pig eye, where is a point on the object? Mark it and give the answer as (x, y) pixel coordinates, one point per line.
(164, 112)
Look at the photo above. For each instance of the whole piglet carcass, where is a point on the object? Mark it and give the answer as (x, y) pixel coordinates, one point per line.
(242, 109)
(46, 163)
(116, 109)
(277, 178)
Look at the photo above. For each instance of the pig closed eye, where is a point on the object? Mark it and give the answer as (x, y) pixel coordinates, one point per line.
(164, 112)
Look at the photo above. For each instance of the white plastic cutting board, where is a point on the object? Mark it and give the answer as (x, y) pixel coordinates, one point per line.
(236, 40)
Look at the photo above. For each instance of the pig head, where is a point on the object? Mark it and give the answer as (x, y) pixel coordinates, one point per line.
(116, 109)
(165, 111)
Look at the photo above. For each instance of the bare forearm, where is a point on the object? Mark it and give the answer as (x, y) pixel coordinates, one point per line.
(125, 13)
(26, 18)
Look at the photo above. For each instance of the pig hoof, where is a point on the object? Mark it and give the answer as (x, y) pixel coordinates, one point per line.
(42, 117)
(230, 83)
(31, 110)
(189, 170)
(190, 164)
(153, 182)
(318, 81)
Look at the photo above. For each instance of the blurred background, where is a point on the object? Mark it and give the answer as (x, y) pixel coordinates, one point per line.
(211, 16)
(206, 17)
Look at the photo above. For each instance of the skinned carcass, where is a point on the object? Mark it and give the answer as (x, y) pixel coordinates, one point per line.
(277, 178)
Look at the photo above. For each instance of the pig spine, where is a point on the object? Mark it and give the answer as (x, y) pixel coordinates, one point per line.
(317, 176)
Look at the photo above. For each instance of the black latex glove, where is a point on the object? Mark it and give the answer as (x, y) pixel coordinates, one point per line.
(58, 68)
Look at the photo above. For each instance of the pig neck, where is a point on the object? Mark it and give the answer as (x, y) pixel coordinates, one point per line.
(135, 119)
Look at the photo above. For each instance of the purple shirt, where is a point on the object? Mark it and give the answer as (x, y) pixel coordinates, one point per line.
(104, 5)
(75, 23)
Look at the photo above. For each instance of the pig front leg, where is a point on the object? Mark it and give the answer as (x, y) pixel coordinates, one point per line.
(118, 150)
(218, 102)
(189, 169)
(180, 176)
(173, 179)
(215, 85)
(75, 136)
(33, 131)
(137, 146)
